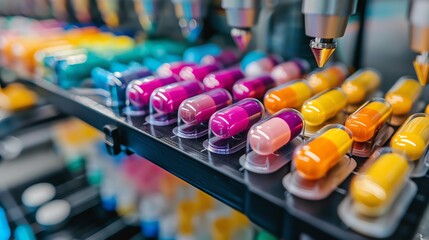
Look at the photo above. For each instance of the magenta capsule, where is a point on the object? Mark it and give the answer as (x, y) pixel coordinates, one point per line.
(198, 72)
(139, 91)
(236, 118)
(252, 87)
(262, 66)
(277, 131)
(167, 99)
(290, 70)
(223, 79)
(200, 108)
(226, 58)
(172, 69)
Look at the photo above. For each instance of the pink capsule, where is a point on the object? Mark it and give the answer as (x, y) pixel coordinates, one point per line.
(170, 69)
(223, 79)
(200, 108)
(277, 131)
(252, 87)
(262, 66)
(167, 99)
(198, 72)
(236, 118)
(225, 59)
(290, 70)
(139, 91)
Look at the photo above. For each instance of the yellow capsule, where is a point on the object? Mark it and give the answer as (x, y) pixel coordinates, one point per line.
(403, 95)
(289, 95)
(323, 106)
(359, 85)
(412, 138)
(377, 187)
(427, 109)
(328, 78)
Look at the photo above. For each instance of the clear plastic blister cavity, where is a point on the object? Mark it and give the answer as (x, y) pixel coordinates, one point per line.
(379, 195)
(321, 164)
(165, 101)
(404, 98)
(194, 113)
(139, 92)
(412, 140)
(369, 126)
(288, 95)
(323, 109)
(360, 87)
(228, 127)
(271, 142)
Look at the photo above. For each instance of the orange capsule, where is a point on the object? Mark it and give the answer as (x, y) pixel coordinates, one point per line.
(316, 157)
(365, 121)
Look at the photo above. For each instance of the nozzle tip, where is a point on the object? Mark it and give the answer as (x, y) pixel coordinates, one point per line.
(322, 50)
(422, 71)
(241, 37)
(191, 29)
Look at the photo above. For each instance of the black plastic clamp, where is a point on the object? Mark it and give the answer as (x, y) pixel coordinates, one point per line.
(112, 139)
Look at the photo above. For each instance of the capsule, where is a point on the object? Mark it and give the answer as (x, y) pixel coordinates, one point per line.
(139, 91)
(252, 87)
(223, 79)
(225, 59)
(170, 69)
(316, 157)
(118, 82)
(251, 57)
(198, 72)
(277, 131)
(200, 108)
(167, 99)
(365, 122)
(323, 106)
(412, 138)
(289, 95)
(378, 186)
(427, 109)
(262, 66)
(359, 85)
(236, 119)
(290, 70)
(328, 78)
(403, 95)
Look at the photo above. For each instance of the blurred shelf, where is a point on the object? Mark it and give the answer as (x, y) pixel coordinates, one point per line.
(261, 197)
(11, 122)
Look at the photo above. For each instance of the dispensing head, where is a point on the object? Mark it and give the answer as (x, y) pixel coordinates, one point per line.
(326, 20)
(241, 15)
(148, 12)
(419, 38)
(191, 14)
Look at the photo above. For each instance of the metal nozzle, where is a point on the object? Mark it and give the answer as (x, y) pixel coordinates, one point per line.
(241, 37)
(241, 15)
(322, 50)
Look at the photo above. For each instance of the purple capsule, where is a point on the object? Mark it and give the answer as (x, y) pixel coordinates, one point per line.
(223, 79)
(199, 72)
(225, 59)
(139, 91)
(252, 87)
